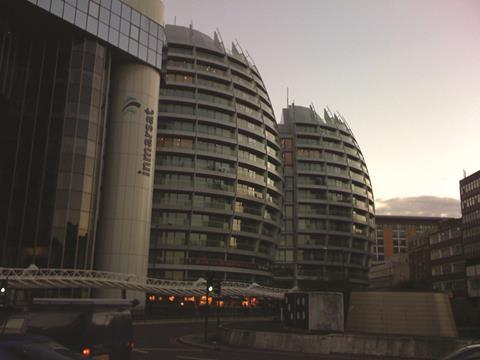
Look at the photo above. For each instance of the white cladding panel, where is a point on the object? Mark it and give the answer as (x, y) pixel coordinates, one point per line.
(124, 229)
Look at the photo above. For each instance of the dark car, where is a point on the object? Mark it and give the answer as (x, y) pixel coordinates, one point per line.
(27, 347)
(471, 352)
(97, 329)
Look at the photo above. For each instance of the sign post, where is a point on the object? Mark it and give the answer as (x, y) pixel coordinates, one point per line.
(207, 307)
(217, 289)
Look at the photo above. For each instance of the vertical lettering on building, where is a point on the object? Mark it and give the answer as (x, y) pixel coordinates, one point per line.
(148, 143)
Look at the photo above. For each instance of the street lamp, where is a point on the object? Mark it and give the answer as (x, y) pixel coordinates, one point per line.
(3, 286)
(3, 292)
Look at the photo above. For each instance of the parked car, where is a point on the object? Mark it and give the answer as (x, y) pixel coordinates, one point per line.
(98, 329)
(27, 347)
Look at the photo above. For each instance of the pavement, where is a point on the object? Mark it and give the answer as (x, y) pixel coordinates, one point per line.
(183, 339)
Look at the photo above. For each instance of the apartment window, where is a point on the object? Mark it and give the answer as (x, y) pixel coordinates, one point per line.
(214, 148)
(180, 63)
(245, 225)
(213, 183)
(252, 174)
(180, 78)
(176, 92)
(214, 98)
(214, 114)
(173, 179)
(288, 210)
(286, 144)
(175, 160)
(216, 131)
(178, 142)
(250, 190)
(169, 218)
(246, 155)
(167, 238)
(214, 165)
(176, 125)
(213, 83)
(207, 240)
(248, 207)
(172, 198)
(214, 221)
(203, 201)
(177, 108)
(287, 158)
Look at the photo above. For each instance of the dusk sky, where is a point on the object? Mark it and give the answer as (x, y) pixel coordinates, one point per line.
(405, 74)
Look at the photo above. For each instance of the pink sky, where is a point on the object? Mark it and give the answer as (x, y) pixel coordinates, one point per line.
(405, 74)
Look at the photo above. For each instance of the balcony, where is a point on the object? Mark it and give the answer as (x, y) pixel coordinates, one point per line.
(357, 177)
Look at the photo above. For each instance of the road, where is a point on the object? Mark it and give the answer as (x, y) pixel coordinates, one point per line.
(160, 341)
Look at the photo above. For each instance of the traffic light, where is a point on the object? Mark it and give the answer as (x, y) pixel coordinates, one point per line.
(210, 282)
(217, 287)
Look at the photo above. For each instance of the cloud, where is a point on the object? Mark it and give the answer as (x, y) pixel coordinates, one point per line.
(419, 206)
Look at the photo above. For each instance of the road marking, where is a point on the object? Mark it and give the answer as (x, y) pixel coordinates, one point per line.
(192, 358)
(140, 351)
(168, 349)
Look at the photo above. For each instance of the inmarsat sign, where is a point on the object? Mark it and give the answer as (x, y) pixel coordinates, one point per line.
(132, 105)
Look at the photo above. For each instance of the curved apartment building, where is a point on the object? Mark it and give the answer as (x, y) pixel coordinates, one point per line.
(218, 184)
(328, 223)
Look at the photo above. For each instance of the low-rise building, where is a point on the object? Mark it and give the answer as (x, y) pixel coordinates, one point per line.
(392, 272)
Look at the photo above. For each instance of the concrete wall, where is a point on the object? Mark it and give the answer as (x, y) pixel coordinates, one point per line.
(318, 310)
(353, 344)
(326, 311)
(412, 313)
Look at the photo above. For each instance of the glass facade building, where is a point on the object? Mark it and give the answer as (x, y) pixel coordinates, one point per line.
(114, 22)
(218, 184)
(328, 223)
(56, 72)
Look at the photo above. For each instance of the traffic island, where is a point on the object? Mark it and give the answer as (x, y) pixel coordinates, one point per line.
(197, 340)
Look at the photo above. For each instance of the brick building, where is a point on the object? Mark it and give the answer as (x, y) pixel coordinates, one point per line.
(394, 232)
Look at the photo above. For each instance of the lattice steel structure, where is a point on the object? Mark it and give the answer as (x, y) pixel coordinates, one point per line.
(218, 183)
(71, 278)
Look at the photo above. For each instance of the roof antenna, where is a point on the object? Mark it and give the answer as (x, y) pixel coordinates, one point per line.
(288, 103)
(221, 40)
(175, 20)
